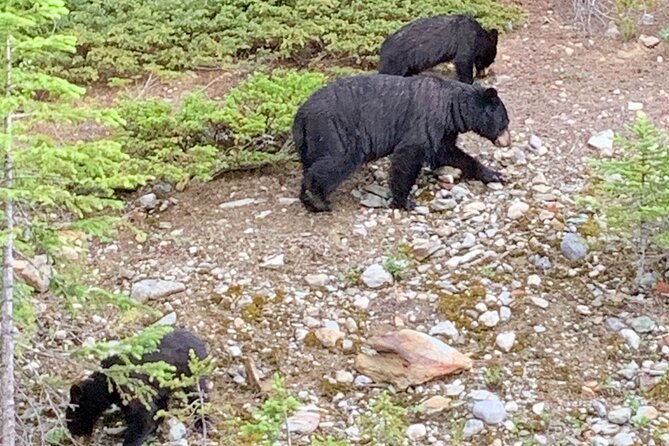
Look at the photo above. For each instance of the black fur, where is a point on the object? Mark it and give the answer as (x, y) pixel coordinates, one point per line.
(427, 42)
(91, 397)
(416, 119)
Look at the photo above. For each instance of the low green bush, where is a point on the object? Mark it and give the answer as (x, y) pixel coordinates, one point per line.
(250, 128)
(127, 38)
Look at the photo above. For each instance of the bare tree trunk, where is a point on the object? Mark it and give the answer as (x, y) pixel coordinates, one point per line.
(7, 328)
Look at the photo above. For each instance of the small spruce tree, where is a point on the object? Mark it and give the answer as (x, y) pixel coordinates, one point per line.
(632, 191)
(51, 184)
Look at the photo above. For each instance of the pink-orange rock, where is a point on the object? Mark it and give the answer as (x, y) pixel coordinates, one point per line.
(408, 358)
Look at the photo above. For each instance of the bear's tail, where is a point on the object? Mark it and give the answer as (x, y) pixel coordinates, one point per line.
(300, 137)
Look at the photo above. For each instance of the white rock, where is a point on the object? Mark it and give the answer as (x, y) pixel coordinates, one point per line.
(177, 430)
(147, 289)
(505, 341)
(237, 203)
(375, 276)
(534, 280)
(620, 416)
(631, 338)
(445, 328)
(472, 427)
(343, 376)
(168, 319)
(362, 302)
(489, 318)
(634, 106)
(469, 241)
(517, 210)
(304, 421)
(273, 262)
(649, 41)
(538, 408)
(602, 141)
(316, 280)
(416, 432)
(540, 302)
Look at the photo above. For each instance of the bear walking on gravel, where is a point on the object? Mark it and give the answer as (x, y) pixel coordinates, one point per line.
(92, 396)
(416, 119)
(430, 41)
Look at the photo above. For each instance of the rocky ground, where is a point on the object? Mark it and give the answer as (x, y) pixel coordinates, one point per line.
(517, 277)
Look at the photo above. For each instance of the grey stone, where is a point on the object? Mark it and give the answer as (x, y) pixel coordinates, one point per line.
(237, 203)
(599, 441)
(649, 41)
(535, 142)
(416, 432)
(148, 201)
(573, 246)
(373, 201)
(620, 416)
(489, 319)
(505, 341)
(490, 410)
(642, 324)
(631, 338)
(375, 276)
(443, 204)
(599, 408)
(177, 430)
(155, 289)
(602, 141)
(445, 328)
(614, 324)
(472, 427)
(623, 439)
(542, 262)
(378, 190)
(168, 319)
(316, 280)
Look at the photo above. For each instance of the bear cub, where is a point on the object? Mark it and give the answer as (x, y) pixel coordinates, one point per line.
(430, 41)
(91, 397)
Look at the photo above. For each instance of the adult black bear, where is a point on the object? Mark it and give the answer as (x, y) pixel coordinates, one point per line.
(91, 397)
(427, 42)
(416, 119)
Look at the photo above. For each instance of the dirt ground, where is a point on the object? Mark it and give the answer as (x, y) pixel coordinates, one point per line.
(557, 84)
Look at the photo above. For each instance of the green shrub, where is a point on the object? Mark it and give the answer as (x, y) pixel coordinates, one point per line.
(632, 192)
(384, 424)
(250, 129)
(266, 104)
(127, 38)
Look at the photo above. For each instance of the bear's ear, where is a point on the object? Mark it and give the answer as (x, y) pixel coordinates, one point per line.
(493, 33)
(490, 93)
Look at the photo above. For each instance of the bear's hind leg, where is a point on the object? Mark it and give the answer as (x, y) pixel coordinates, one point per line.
(404, 170)
(322, 178)
(139, 421)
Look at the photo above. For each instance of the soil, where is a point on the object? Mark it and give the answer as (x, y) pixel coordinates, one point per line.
(557, 84)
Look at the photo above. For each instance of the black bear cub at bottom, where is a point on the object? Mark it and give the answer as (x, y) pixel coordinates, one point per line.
(415, 119)
(430, 41)
(91, 397)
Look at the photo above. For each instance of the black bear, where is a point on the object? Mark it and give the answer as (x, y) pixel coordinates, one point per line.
(427, 42)
(91, 397)
(416, 119)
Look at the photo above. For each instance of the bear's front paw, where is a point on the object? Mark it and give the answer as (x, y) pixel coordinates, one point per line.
(487, 175)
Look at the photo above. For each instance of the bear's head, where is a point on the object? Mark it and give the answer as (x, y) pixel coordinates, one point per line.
(88, 400)
(493, 121)
(487, 52)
